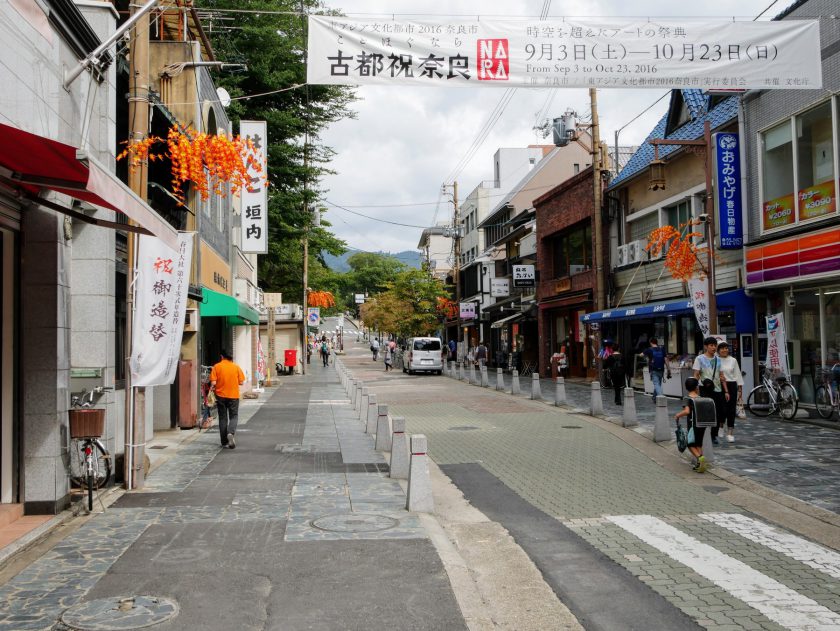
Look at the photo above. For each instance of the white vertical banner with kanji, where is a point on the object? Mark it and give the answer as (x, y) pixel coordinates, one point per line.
(254, 198)
(698, 289)
(160, 302)
(777, 359)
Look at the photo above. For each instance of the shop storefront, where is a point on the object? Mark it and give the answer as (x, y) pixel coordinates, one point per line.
(220, 313)
(515, 341)
(564, 332)
(9, 425)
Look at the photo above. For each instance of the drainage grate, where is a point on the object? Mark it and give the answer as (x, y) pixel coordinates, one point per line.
(354, 522)
(716, 489)
(571, 427)
(463, 428)
(120, 613)
(158, 447)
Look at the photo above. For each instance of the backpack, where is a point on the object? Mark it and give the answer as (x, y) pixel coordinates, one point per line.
(657, 358)
(323, 347)
(703, 411)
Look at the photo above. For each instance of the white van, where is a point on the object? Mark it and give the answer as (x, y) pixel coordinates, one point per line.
(423, 354)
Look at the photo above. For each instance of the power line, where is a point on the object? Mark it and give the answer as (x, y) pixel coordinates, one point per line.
(393, 223)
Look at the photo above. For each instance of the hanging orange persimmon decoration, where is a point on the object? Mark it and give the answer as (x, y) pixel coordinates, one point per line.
(447, 308)
(682, 256)
(207, 162)
(323, 299)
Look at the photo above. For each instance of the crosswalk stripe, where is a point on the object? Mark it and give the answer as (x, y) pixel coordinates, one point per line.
(811, 554)
(776, 601)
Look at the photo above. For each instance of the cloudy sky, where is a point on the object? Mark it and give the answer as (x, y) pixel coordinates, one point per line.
(405, 142)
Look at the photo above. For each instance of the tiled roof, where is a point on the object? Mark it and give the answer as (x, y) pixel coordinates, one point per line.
(725, 111)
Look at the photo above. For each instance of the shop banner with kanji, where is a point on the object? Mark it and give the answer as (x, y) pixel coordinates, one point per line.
(254, 198)
(160, 302)
(728, 187)
(698, 289)
(608, 53)
(777, 357)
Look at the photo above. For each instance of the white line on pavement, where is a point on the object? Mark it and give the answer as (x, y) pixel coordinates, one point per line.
(811, 554)
(773, 599)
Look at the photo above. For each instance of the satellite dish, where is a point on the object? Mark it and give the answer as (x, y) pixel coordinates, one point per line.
(224, 97)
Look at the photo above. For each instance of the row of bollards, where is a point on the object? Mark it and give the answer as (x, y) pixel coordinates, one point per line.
(408, 454)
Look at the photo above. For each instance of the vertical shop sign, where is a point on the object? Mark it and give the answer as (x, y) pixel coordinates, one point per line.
(728, 178)
(254, 198)
(160, 303)
(699, 291)
(468, 311)
(777, 359)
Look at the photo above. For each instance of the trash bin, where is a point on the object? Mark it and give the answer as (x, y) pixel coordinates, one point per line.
(290, 359)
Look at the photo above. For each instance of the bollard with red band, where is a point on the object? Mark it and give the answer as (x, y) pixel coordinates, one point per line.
(400, 454)
(419, 497)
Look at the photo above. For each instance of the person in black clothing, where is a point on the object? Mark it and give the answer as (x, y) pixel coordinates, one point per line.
(615, 364)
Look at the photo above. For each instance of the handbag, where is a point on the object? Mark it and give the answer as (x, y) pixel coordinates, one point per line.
(740, 410)
(690, 436)
(211, 399)
(682, 438)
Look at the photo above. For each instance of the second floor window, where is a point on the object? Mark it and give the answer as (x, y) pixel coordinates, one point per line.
(573, 251)
(679, 215)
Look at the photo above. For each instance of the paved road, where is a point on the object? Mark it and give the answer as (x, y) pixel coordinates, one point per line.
(596, 505)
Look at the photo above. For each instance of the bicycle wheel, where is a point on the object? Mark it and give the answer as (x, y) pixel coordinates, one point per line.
(822, 398)
(787, 403)
(101, 464)
(758, 402)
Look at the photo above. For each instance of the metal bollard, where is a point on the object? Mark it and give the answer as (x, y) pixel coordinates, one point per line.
(400, 452)
(372, 413)
(473, 378)
(536, 392)
(383, 429)
(354, 390)
(364, 404)
(628, 416)
(662, 422)
(460, 371)
(708, 446)
(448, 368)
(419, 496)
(514, 382)
(500, 380)
(465, 375)
(596, 407)
(560, 391)
(485, 381)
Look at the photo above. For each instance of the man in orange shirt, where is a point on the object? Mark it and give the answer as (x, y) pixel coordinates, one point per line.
(225, 379)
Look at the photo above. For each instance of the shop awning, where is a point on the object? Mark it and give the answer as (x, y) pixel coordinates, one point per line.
(498, 324)
(31, 162)
(217, 305)
(634, 312)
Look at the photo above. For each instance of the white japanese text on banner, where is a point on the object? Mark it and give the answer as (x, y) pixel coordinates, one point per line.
(160, 303)
(505, 52)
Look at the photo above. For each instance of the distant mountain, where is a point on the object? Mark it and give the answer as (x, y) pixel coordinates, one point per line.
(339, 263)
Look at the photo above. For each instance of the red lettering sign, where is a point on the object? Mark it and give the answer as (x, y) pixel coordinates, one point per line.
(493, 60)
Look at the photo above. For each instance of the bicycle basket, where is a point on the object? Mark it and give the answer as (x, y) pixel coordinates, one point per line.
(89, 423)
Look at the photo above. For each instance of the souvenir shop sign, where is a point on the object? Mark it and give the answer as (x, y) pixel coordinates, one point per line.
(728, 178)
(160, 304)
(255, 199)
(608, 53)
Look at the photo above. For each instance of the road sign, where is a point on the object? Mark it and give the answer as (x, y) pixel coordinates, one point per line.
(360, 299)
(313, 316)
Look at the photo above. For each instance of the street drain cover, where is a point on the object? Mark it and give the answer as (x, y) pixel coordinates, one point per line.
(463, 428)
(354, 522)
(716, 489)
(119, 613)
(571, 427)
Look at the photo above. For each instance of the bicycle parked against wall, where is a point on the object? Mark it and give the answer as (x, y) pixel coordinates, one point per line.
(90, 462)
(827, 396)
(774, 394)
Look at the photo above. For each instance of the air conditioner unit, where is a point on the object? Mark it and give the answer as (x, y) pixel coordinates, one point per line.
(636, 251)
(622, 256)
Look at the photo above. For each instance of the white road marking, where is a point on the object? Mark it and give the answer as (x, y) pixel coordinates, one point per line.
(779, 603)
(811, 554)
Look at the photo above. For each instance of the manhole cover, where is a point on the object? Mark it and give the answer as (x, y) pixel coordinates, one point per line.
(463, 428)
(120, 613)
(571, 427)
(354, 522)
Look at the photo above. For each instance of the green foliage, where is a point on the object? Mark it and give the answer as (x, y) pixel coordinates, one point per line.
(408, 307)
(273, 47)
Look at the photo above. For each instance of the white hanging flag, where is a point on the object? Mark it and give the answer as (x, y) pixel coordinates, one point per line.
(698, 289)
(591, 53)
(777, 358)
(160, 303)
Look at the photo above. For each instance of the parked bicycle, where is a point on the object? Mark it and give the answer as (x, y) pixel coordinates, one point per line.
(827, 396)
(774, 394)
(90, 462)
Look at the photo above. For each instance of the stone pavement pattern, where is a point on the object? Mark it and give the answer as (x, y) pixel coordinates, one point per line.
(647, 520)
(298, 527)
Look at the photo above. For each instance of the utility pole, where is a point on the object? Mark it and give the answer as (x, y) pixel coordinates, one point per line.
(600, 286)
(138, 116)
(456, 266)
(709, 207)
(272, 353)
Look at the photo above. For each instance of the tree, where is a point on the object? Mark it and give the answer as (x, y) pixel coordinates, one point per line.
(409, 307)
(272, 44)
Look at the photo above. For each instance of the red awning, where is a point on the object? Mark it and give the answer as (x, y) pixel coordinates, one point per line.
(32, 162)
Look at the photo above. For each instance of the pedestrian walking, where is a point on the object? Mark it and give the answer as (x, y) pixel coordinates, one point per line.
(374, 348)
(325, 351)
(695, 434)
(656, 366)
(481, 354)
(615, 364)
(388, 355)
(453, 349)
(707, 371)
(225, 379)
(730, 373)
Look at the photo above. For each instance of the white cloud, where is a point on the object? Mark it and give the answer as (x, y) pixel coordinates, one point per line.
(406, 141)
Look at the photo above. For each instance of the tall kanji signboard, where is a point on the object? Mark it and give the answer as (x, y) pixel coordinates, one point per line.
(728, 179)
(254, 198)
(596, 53)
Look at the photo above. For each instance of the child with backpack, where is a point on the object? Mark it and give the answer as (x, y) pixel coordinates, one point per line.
(696, 408)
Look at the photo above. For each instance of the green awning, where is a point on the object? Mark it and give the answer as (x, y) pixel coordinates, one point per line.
(217, 305)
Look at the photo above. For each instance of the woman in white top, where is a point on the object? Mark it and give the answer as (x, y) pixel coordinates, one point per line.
(730, 372)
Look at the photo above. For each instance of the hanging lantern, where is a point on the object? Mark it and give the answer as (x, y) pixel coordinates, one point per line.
(656, 170)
